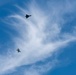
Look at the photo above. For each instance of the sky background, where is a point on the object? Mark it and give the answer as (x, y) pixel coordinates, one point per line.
(47, 39)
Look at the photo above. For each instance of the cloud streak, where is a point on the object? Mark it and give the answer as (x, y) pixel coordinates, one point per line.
(39, 37)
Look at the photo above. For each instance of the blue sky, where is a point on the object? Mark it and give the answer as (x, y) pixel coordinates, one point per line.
(47, 39)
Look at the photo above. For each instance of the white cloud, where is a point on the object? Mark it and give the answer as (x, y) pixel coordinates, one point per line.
(33, 42)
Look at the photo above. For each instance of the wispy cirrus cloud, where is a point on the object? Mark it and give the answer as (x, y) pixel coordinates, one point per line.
(39, 37)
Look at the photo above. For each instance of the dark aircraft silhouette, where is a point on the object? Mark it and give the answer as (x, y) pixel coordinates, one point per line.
(27, 16)
(18, 50)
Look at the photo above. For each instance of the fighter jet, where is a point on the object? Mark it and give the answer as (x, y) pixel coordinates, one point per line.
(27, 16)
(18, 50)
